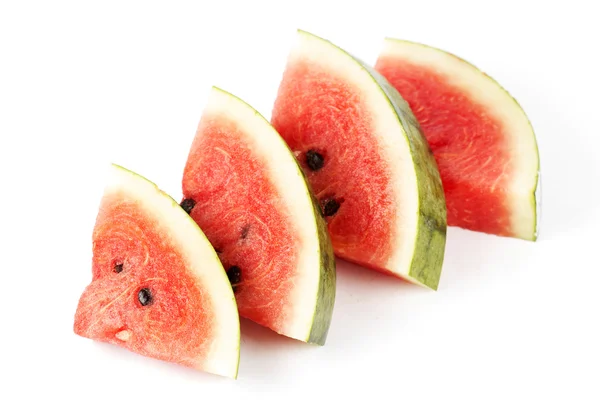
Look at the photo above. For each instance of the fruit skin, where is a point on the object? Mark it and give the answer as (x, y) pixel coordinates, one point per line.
(426, 266)
(327, 267)
(104, 296)
(327, 281)
(325, 293)
(430, 237)
(525, 212)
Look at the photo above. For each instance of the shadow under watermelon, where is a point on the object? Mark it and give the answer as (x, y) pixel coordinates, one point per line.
(265, 352)
(124, 362)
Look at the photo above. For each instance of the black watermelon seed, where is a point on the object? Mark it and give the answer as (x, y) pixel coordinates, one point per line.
(188, 205)
(118, 268)
(314, 160)
(245, 231)
(234, 273)
(145, 297)
(330, 207)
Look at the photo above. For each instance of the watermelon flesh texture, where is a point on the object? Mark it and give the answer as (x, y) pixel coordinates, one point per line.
(357, 223)
(185, 319)
(261, 222)
(376, 164)
(483, 144)
(243, 231)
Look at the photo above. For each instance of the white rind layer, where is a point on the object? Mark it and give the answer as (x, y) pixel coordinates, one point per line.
(387, 129)
(287, 178)
(201, 260)
(522, 146)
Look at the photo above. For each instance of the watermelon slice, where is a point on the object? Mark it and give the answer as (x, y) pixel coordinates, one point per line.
(484, 145)
(158, 288)
(244, 188)
(366, 159)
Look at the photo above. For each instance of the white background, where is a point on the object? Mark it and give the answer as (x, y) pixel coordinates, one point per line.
(83, 84)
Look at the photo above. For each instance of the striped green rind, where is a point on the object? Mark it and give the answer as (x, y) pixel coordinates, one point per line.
(327, 280)
(430, 241)
(430, 244)
(327, 268)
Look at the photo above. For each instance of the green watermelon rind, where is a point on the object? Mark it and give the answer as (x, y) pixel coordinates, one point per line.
(535, 195)
(326, 291)
(430, 239)
(426, 266)
(184, 216)
(327, 282)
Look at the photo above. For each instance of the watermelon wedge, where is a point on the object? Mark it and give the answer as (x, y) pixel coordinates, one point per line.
(244, 188)
(482, 140)
(158, 288)
(366, 160)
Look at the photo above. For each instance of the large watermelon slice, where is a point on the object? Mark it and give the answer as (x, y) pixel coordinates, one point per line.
(158, 288)
(366, 159)
(244, 188)
(483, 142)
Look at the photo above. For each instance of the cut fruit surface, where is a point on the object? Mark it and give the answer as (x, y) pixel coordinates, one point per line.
(251, 199)
(158, 288)
(483, 142)
(366, 159)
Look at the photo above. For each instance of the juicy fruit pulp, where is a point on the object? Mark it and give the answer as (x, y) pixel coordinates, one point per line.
(377, 183)
(484, 145)
(352, 236)
(256, 209)
(157, 287)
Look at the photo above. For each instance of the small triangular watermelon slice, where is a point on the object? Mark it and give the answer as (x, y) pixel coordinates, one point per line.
(483, 142)
(158, 288)
(244, 188)
(366, 159)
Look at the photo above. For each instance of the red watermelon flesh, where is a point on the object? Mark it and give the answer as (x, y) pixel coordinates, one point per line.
(244, 231)
(483, 144)
(254, 205)
(146, 294)
(467, 143)
(365, 200)
(367, 162)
